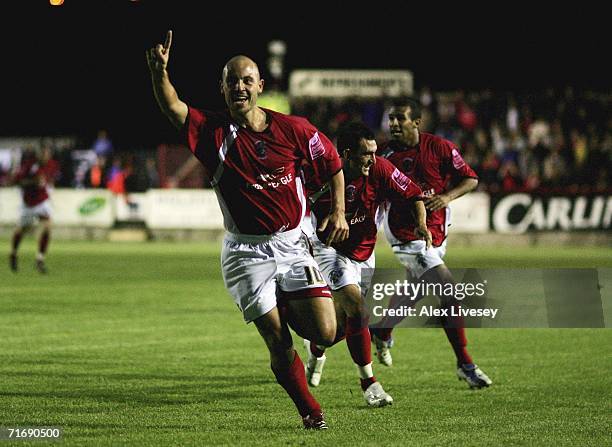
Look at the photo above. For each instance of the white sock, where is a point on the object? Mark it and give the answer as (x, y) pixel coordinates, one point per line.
(365, 371)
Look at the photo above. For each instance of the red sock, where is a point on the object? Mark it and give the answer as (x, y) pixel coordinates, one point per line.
(293, 379)
(454, 327)
(358, 340)
(44, 242)
(16, 240)
(365, 383)
(382, 333)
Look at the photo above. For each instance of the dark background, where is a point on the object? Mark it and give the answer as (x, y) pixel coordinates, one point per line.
(80, 67)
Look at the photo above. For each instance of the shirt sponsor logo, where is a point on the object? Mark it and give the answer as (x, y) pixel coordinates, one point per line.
(316, 146)
(458, 162)
(358, 219)
(400, 179)
(427, 191)
(272, 181)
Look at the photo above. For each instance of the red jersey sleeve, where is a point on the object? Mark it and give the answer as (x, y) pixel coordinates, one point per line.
(194, 126)
(453, 162)
(319, 152)
(394, 183)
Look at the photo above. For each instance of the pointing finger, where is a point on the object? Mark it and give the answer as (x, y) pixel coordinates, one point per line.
(168, 42)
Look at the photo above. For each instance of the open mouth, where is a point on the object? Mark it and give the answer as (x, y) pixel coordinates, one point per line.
(239, 100)
(396, 133)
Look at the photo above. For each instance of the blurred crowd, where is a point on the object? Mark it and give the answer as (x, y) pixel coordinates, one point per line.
(98, 165)
(547, 141)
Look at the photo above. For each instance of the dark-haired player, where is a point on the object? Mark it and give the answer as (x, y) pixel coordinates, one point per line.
(348, 266)
(436, 165)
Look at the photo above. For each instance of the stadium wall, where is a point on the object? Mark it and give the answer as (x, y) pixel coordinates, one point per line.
(193, 214)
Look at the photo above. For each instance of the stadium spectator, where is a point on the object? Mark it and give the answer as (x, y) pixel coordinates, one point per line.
(35, 177)
(96, 176)
(348, 267)
(253, 156)
(115, 179)
(526, 126)
(152, 176)
(102, 145)
(437, 167)
(514, 125)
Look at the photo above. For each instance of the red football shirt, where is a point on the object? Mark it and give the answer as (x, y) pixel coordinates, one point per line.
(363, 195)
(434, 164)
(38, 178)
(256, 175)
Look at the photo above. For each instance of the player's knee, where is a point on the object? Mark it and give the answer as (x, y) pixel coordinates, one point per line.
(327, 334)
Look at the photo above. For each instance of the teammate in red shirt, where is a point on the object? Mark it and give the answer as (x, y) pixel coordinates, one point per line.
(36, 176)
(253, 157)
(436, 165)
(348, 266)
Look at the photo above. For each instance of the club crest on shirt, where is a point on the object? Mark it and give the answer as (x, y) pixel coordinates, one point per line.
(400, 179)
(349, 193)
(260, 149)
(315, 145)
(458, 161)
(408, 164)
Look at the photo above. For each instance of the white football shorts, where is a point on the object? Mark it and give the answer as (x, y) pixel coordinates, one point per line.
(340, 270)
(256, 267)
(417, 259)
(413, 255)
(30, 214)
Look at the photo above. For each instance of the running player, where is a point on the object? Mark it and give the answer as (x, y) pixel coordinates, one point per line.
(253, 157)
(436, 165)
(348, 266)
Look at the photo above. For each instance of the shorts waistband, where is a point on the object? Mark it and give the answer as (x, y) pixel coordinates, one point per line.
(258, 238)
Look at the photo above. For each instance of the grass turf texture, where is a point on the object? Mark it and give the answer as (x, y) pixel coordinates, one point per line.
(140, 344)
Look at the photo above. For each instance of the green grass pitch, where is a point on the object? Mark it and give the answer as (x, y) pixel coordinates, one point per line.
(139, 344)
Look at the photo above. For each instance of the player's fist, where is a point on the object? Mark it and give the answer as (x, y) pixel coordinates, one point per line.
(158, 56)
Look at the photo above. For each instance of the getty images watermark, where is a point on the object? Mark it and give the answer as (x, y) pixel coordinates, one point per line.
(495, 298)
(413, 291)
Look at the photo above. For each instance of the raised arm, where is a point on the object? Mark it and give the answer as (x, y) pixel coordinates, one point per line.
(167, 98)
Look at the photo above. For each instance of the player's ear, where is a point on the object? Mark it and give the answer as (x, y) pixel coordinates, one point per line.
(261, 85)
(221, 86)
(417, 122)
(345, 153)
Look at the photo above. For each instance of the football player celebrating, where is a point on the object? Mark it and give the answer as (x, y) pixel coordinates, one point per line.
(253, 157)
(436, 165)
(348, 266)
